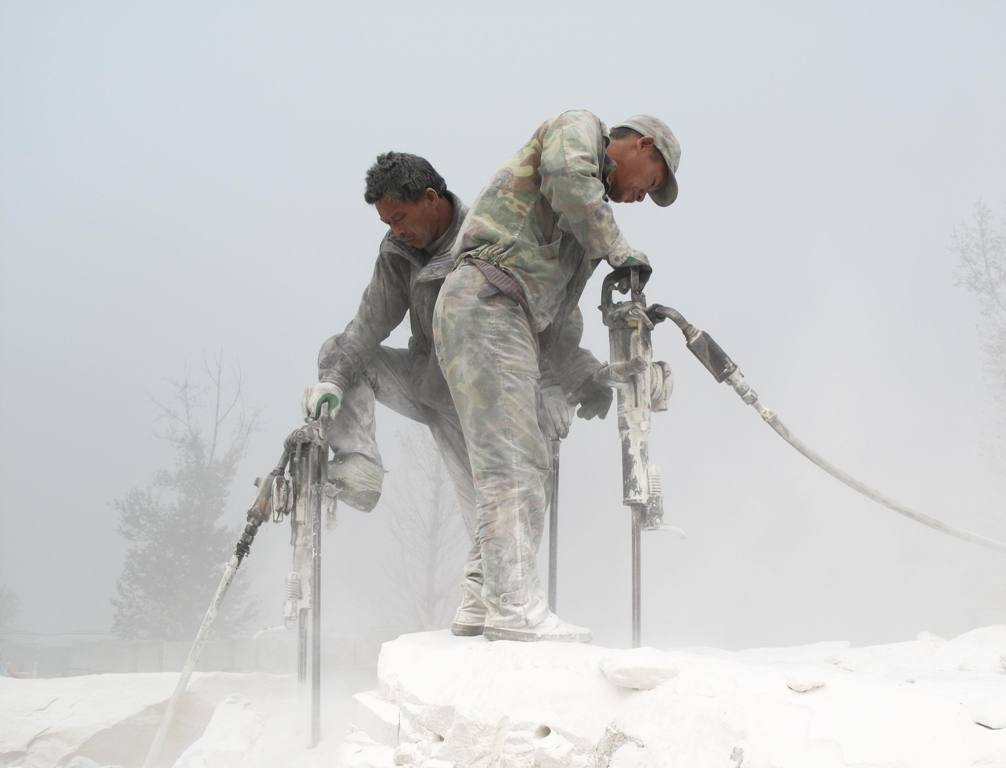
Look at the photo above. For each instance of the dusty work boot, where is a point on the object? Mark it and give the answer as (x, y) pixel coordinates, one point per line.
(470, 617)
(358, 479)
(523, 615)
(549, 628)
(471, 614)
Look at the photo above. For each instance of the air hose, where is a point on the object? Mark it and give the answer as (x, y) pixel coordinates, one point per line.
(719, 364)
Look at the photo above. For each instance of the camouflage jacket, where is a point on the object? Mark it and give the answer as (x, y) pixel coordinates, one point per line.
(408, 280)
(545, 219)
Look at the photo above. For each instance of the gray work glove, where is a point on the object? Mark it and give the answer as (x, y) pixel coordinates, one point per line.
(593, 398)
(554, 413)
(317, 395)
(594, 395)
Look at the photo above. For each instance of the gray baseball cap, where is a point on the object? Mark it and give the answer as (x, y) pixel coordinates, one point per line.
(670, 150)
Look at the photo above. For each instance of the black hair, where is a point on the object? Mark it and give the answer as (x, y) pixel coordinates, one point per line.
(403, 177)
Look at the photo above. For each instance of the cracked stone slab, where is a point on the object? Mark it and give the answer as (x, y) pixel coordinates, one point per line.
(825, 705)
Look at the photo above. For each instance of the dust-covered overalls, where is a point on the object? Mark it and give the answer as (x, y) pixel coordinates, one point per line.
(543, 223)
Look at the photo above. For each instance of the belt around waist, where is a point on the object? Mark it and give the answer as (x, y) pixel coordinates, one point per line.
(501, 281)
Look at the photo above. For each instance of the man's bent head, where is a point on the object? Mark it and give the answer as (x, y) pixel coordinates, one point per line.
(647, 155)
(410, 197)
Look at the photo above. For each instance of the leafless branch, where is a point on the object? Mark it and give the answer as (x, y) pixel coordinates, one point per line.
(981, 248)
(429, 537)
(980, 245)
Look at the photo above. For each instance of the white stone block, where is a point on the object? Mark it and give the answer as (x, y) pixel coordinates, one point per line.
(377, 717)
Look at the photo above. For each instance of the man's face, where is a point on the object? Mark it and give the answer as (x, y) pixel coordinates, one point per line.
(413, 223)
(641, 169)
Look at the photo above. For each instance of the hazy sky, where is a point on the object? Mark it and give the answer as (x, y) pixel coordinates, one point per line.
(182, 178)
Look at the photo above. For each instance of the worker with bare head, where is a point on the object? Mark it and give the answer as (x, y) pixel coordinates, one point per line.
(528, 246)
(355, 368)
(411, 198)
(423, 218)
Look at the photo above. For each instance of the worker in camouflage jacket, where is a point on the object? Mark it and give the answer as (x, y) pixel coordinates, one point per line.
(355, 369)
(527, 248)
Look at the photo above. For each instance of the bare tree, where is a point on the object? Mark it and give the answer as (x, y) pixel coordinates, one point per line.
(428, 534)
(177, 544)
(981, 247)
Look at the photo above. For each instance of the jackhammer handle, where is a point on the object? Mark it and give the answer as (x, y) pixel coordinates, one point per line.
(624, 280)
(616, 280)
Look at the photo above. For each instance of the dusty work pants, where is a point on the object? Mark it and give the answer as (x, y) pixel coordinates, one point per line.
(489, 356)
(388, 379)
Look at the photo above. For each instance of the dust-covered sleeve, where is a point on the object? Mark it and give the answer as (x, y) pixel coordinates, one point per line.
(569, 364)
(571, 182)
(383, 306)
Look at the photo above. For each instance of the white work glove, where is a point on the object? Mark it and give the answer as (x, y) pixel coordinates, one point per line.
(317, 395)
(554, 413)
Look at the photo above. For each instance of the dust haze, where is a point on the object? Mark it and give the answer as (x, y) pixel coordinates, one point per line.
(182, 180)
